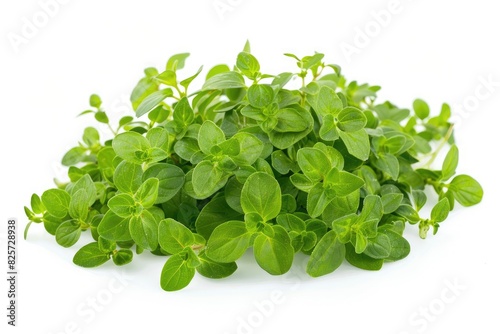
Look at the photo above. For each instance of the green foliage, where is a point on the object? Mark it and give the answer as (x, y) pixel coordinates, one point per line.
(247, 162)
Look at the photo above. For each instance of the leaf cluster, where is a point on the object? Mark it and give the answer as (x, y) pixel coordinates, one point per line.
(248, 162)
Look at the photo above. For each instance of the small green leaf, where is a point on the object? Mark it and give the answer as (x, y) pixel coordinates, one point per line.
(56, 201)
(327, 256)
(261, 194)
(212, 269)
(248, 65)
(127, 145)
(114, 227)
(90, 256)
(313, 163)
(328, 102)
(147, 193)
(215, 213)
(450, 163)
(224, 81)
(343, 183)
(440, 211)
(74, 156)
(176, 274)
(183, 113)
(274, 254)
(362, 261)
(123, 257)
(177, 61)
(317, 200)
(68, 233)
(207, 179)
(466, 190)
(128, 177)
(421, 108)
(228, 242)
(152, 101)
(260, 96)
(144, 230)
(351, 119)
(78, 206)
(174, 236)
(357, 143)
(210, 135)
(171, 180)
(123, 205)
(95, 101)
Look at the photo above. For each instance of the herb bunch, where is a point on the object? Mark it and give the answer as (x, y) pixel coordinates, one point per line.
(248, 161)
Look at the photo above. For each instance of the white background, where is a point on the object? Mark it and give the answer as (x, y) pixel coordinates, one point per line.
(440, 51)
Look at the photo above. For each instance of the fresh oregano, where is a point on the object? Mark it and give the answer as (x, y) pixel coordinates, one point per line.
(254, 160)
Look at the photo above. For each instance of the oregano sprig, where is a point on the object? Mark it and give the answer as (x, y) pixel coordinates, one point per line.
(246, 162)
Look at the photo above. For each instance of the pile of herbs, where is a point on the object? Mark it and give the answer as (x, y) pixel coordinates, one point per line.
(248, 161)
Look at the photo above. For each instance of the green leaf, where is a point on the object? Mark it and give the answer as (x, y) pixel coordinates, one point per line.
(228, 242)
(248, 65)
(327, 256)
(328, 102)
(466, 190)
(152, 101)
(421, 108)
(224, 81)
(440, 211)
(408, 212)
(313, 163)
(56, 201)
(177, 61)
(389, 164)
(290, 120)
(123, 205)
(450, 163)
(261, 194)
(176, 274)
(391, 202)
(144, 230)
(158, 137)
(78, 206)
(362, 261)
(128, 177)
(183, 113)
(357, 143)
(379, 247)
(90, 256)
(95, 101)
(88, 187)
(209, 136)
(68, 233)
(260, 96)
(207, 179)
(147, 193)
(114, 227)
(167, 77)
(212, 269)
(342, 183)
(317, 200)
(174, 237)
(74, 156)
(274, 254)
(101, 117)
(186, 82)
(123, 257)
(215, 213)
(250, 148)
(170, 177)
(128, 145)
(351, 119)
(105, 245)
